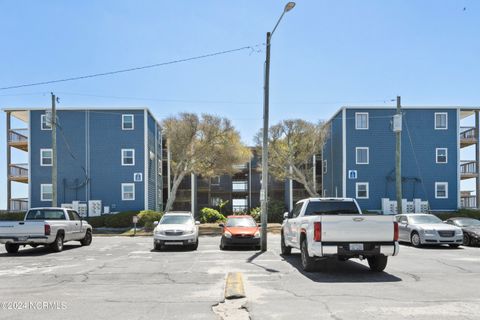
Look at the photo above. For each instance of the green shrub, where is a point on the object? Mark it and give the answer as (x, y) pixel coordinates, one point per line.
(121, 220)
(276, 209)
(209, 215)
(256, 213)
(97, 222)
(12, 216)
(148, 217)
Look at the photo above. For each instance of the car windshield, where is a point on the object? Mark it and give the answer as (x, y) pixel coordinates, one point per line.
(331, 208)
(467, 222)
(43, 214)
(422, 219)
(241, 222)
(176, 219)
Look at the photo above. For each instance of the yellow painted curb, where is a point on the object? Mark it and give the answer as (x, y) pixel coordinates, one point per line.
(234, 286)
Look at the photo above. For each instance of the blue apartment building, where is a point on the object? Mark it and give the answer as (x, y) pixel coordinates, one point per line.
(359, 156)
(110, 156)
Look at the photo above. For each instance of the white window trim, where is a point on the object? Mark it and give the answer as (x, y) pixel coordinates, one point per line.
(446, 155)
(42, 186)
(356, 122)
(446, 120)
(133, 191)
(41, 158)
(133, 155)
(325, 168)
(367, 189)
(123, 121)
(446, 190)
(368, 155)
(42, 117)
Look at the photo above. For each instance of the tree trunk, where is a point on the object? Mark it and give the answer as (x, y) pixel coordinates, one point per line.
(301, 178)
(173, 192)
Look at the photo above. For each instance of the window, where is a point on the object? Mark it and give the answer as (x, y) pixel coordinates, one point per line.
(128, 191)
(441, 121)
(73, 215)
(324, 166)
(361, 120)
(46, 157)
(45, 214)
(128, 157)
(46, 192)
(297, 209)
(361, 190)
(362, 155)
(441, 155)
(215, 181)
(128, 122)
(45, 124)
(441, 190)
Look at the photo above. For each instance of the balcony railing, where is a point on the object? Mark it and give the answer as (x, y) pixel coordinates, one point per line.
(20, 204)
(467, 133)
(468, 167)
(468, 202)
(18, 172)
(18, 138)
(240, 166)
(239, 186)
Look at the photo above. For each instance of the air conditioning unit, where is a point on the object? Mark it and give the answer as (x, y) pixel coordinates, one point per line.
(94, 208)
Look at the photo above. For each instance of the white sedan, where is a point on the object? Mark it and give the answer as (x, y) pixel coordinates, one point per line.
(176, 228)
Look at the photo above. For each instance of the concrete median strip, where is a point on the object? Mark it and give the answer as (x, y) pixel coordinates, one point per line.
(234, 288)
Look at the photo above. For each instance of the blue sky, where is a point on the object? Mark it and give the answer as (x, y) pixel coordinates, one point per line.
(325, 54)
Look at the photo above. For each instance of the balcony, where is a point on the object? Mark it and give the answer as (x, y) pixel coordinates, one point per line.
(20, 204)
(468, 202)
(468, 169)
(239, 186)
(240, 167)
(18, 172)
(18, 138)
(467, 136)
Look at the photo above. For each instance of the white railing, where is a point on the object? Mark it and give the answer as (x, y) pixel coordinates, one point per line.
(415, 206)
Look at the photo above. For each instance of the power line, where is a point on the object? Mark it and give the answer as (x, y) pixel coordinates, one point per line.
(252, 48)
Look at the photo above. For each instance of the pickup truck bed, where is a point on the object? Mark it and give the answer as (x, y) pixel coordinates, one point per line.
(335, 227)
(45, 226)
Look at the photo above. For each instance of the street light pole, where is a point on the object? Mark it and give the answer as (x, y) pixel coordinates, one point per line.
(264, 190)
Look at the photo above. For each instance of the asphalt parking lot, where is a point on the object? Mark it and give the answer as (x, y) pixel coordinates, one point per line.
(122, 278)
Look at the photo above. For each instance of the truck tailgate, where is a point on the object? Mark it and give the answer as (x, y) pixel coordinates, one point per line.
(357, 228)
(21, 228)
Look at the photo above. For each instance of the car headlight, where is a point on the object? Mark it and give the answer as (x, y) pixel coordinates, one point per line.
(257, 234)
(227, 234)
(159, 232)
(430, 232)
(191, 231)
(459, 232)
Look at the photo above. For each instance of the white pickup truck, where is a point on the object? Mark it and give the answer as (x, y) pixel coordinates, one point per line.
(45, 226)
(336, 227)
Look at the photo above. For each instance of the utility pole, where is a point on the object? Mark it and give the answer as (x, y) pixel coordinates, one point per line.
(264, 191)
(398, 155)
(53, 123)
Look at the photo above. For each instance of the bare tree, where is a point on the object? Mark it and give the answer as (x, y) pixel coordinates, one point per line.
(292, 145)
(208, 146)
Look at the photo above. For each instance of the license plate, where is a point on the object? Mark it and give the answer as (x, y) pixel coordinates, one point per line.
(173, 243)
(22, 238)
(356, 246)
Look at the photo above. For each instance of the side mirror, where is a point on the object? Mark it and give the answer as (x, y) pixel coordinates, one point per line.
(259, 225)
(155, 223)
(221, 225)
(285, 215)
(197, 223)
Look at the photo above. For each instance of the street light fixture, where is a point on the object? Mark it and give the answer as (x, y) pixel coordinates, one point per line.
(264, 192)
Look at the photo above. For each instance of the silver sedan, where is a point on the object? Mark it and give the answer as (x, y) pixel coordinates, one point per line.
(419, 229)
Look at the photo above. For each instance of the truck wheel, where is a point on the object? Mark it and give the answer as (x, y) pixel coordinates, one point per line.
(57, 245)
(157, 246)
(286, 250)
(11, 247)
(415, 239)
(377, 263)
(87, 240)
(195, 246)
(308, 263)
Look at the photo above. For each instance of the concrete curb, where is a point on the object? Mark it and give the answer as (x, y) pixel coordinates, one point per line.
(234, 288)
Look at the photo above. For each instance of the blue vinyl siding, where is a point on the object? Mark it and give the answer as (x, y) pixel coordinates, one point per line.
(419, 168)
(95, 139)
(333, 153)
